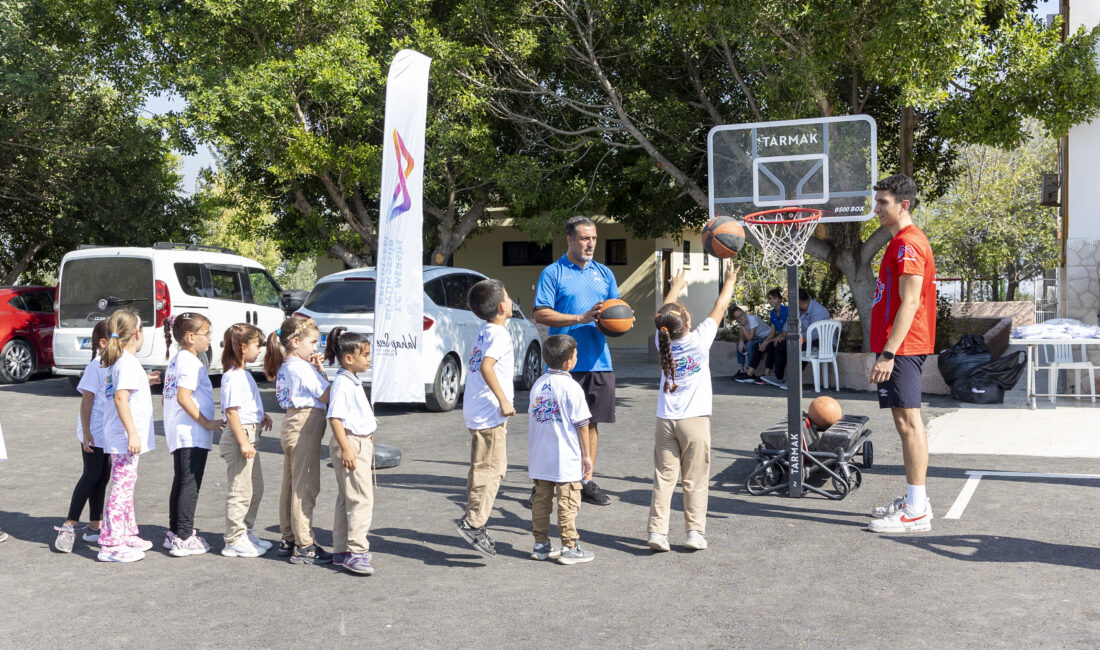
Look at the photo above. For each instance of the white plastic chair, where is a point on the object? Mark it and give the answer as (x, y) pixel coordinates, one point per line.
(1063, 360)
(823, 349)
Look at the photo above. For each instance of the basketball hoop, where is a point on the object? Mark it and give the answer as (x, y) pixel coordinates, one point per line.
(783, 233)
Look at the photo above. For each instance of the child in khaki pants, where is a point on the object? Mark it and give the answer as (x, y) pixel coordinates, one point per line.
(486, 407)
(558, 446)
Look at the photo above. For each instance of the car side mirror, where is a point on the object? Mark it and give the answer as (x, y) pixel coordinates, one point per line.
(516, 313)
(291, 301)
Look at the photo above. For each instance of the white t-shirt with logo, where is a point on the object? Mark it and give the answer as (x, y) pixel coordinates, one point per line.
(94, 381)
(180, 430)
(298, 384)
(348, 401)
(691, 360)
(557, 409)
(127, 374)
(239, 391)
(480, 407)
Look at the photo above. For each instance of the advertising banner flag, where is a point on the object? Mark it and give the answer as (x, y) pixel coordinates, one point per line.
(399, 303)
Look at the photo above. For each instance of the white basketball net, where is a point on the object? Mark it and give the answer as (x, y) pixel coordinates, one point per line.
(783, 234)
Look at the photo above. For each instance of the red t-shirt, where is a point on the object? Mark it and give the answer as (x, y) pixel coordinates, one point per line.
(908, 253)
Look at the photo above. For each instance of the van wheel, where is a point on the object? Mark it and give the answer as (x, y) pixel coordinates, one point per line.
(444, 395)
(16, 362)
(532, 366)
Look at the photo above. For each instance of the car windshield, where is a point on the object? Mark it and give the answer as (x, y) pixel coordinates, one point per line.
(342, 297)
(93, 288)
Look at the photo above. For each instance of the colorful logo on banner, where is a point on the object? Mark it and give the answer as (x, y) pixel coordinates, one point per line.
(401, 192)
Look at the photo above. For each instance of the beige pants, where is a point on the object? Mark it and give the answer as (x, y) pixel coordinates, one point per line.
(569, 502)
(354, 495)
(681, 448)
(488, 463)
(246, 483)
(300, 436)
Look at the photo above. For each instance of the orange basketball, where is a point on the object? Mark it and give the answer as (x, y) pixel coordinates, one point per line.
(616, 318)
(723, 237)
(825, 412)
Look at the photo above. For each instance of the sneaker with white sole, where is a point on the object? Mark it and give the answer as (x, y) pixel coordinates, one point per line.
(544, 551)
(903, 520)
(90, 535)
(879, 512)
(193, 545)
(120, 554)
(133, 541)
(743, 378)
(695, 540)
(575, 555)
(259, 543)
(768, 379)
(65, 538)
(658, 542)
(241, 548)
(476, 537)
(169, 540)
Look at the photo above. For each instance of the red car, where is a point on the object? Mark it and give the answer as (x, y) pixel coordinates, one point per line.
(27, 320)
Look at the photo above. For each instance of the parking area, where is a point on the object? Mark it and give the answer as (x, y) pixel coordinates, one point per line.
(1019, 566)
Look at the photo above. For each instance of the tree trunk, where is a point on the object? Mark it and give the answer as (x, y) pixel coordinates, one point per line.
(10, 276)
(905, 142)
(844, 249)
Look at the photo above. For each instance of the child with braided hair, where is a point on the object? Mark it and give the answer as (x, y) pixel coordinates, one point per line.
(682, 439)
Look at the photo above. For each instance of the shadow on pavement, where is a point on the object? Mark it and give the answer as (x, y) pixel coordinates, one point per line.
(995, 548)
(386, 541)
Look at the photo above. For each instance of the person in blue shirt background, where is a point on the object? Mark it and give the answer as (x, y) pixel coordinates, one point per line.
(777, 317)
(567, 299)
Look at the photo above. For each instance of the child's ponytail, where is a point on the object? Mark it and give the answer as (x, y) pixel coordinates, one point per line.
(273, 356)
(332, 345)
(279, 340)
(99, 334)
(122, 327)
(671, 323)
(341, 342)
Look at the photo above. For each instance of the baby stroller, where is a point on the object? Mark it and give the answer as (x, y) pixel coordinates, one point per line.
(827, 457)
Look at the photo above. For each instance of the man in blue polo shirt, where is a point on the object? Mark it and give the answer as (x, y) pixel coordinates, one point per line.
(567, 299)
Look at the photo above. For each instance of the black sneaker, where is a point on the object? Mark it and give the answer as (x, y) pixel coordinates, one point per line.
(477, 537)
(311, 554)
(591, 493)
(743, 377)
(286, 548)
(529, 502)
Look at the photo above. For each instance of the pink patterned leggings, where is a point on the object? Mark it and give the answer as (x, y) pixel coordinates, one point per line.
(118, 518)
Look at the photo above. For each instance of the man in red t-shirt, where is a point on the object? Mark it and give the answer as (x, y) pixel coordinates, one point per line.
(903, 333)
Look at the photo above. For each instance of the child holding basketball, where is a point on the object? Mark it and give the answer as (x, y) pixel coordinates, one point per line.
(486, 407)
(682, 439)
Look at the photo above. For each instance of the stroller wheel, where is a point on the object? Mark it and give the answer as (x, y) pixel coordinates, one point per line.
(855, 479)
(868, 454)
(760, 480)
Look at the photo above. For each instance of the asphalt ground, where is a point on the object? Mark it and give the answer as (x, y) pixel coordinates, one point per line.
(1019, 568)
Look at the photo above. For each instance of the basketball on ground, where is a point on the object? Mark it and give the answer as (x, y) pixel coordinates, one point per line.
(723, 237)
(616, 318)
(825, 412)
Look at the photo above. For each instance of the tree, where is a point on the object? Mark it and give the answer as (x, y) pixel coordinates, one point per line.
(641, 89)
(78, 165)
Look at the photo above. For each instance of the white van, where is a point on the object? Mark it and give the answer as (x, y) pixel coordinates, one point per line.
(94, 282)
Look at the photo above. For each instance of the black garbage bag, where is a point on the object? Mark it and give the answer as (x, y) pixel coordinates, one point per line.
(961, 359)
(987, 383)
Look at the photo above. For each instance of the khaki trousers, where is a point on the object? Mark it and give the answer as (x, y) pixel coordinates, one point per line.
(681, 448)
(354, 495)
(300, 437)
(246, 483)
(488, 463)
(569, 502)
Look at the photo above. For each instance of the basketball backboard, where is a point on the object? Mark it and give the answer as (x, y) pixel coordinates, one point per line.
(826, 163)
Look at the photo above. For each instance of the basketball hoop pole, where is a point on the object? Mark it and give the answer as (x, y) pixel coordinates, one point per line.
(794, 385)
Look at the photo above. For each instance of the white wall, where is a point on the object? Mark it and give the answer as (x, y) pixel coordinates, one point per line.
(1084, 149)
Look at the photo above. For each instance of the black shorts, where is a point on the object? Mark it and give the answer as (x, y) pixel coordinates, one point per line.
(902, 389)
(599, 390)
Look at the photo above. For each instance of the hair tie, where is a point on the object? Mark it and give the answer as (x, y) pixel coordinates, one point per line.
(664, 329)
(169, 321)
(114, 335)
(279, 332)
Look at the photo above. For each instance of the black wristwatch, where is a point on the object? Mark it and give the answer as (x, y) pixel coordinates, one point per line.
(886, 354)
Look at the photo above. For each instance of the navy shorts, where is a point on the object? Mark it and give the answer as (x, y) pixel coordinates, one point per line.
(599, 391)
(902, 389)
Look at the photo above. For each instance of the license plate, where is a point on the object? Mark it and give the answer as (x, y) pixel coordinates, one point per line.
(85, 344)
(324, 337)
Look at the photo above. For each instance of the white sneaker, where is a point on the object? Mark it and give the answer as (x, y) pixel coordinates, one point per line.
(771, 380)
(169, 540)
(903, 520)
(897, 504)
(193, 545)
(695, 540)
(658, 542)
(260, 544)
(120, 554)
(241, 548)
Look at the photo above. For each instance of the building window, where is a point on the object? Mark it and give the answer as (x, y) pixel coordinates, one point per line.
(615, 252)
(687, 253)
(527, 253)
(706, 260)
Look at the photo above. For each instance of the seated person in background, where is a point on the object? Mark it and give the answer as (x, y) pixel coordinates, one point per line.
(777, 318)
(754, 331)
(810, 312)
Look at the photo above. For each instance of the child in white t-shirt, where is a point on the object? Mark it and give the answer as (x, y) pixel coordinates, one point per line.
(127, 433)
(188, 427)
(486, 407)
(352, 450)
(91, 489)
(682, 440)
(558, 451)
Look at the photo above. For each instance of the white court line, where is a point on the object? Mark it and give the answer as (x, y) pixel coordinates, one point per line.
(976, 476)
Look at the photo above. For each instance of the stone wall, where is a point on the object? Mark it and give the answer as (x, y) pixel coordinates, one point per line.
(1082, 288)
(1022, 312)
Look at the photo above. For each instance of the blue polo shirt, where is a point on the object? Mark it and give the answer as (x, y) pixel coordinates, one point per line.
(568, 289)
(778, 321)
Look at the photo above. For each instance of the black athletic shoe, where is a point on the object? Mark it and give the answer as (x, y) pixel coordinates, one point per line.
(286, 548)
(529, 502)
(743, 378)
(311, 554)
(591, 493)
(477, 537)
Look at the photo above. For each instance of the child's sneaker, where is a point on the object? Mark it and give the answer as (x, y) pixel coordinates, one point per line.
(241, 548)
(133, 541)
(358, 563)
(90, 535)
(658, 542)
(3, 536)
(575, 555)
(768, 379)
(65, 538)
(311, 554)
(477, 537)
(286, 548)
(695, 540)
(903, 520)
(338, 559)
(193, 545)
(120, 554)
(261, 544)
(169, 540)
(897, 504)
(545, 551)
